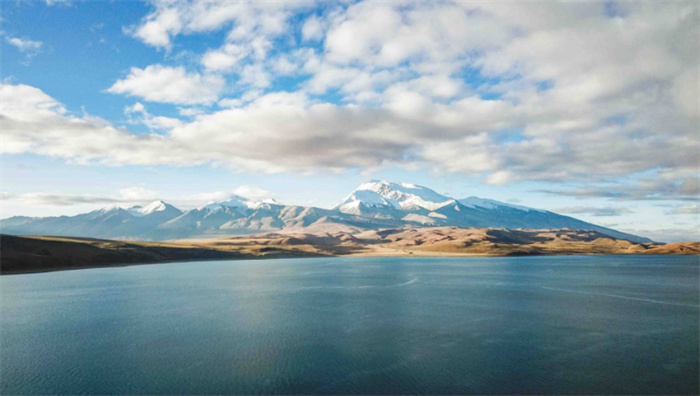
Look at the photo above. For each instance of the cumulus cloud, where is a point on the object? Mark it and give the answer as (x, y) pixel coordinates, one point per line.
(151, 121)
(312, 29)
(256, 76)
(225, 58)
(190, 111)
(253, 26)
(158, 83)
(387, 34)
(246, 19)
(34, 122)
(276, 132)
(605, 101)
(289, 131)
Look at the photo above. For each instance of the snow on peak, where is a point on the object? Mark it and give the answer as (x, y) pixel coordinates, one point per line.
(110, 208)
(407, 196)
(155, 206)
(367, 198)
(234, 201)
(473, 202)
(239, 202)
(375, 193)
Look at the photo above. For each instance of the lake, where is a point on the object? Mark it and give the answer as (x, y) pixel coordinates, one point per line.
(528, 325)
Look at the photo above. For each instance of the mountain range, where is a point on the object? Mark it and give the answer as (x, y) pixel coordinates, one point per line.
(373, 205)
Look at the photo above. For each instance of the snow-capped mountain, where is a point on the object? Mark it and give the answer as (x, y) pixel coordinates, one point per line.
(420, 205)
(373, 205)
(112, 222)
(384, 194)
(155, 210)
(239, 203)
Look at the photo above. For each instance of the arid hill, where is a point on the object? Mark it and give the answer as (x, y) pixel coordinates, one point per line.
(450, 241)
(44, 253)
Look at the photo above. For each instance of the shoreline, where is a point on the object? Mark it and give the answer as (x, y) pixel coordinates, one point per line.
(290, 257)
(38, 254)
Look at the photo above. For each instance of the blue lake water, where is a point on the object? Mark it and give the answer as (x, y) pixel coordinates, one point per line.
(531, 325)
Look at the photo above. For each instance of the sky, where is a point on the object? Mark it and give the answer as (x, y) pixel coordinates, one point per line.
(588, 109)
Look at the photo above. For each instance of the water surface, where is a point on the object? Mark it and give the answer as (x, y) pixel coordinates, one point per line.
(532, 325)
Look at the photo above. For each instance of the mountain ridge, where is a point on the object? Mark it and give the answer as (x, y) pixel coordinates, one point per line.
(373, 205)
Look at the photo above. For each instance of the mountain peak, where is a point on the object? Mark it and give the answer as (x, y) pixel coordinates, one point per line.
(239, 202)
(383, 193)
(153, 207)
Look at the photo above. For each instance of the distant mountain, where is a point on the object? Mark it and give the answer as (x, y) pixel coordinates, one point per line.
(418, 204)
(114, 222)
(373, 205)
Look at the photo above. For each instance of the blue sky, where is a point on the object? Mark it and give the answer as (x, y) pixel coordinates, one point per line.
(568, 107)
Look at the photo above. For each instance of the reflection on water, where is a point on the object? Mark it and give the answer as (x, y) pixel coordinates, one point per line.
(596, 324)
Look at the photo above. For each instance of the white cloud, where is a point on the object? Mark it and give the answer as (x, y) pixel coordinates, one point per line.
(588, 97)
(283, 66)
(52, 2)
(387, 34)
(230, 102)
(289, 131)
(225, 58)
(127, 196)
(34, 122)
(162, 123)
(137, 194)
(146, 118)
(252, 192)
(135, 108)
(312, 29)
(432, 85)
(256, 76)
(157, 28)
(30, 48)
(189, 111)
(352, 81)
(158, 83)
(25, 45)
(46, 199)
(246, 19)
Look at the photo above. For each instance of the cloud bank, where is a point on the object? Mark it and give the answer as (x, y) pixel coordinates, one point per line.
(575, 92)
